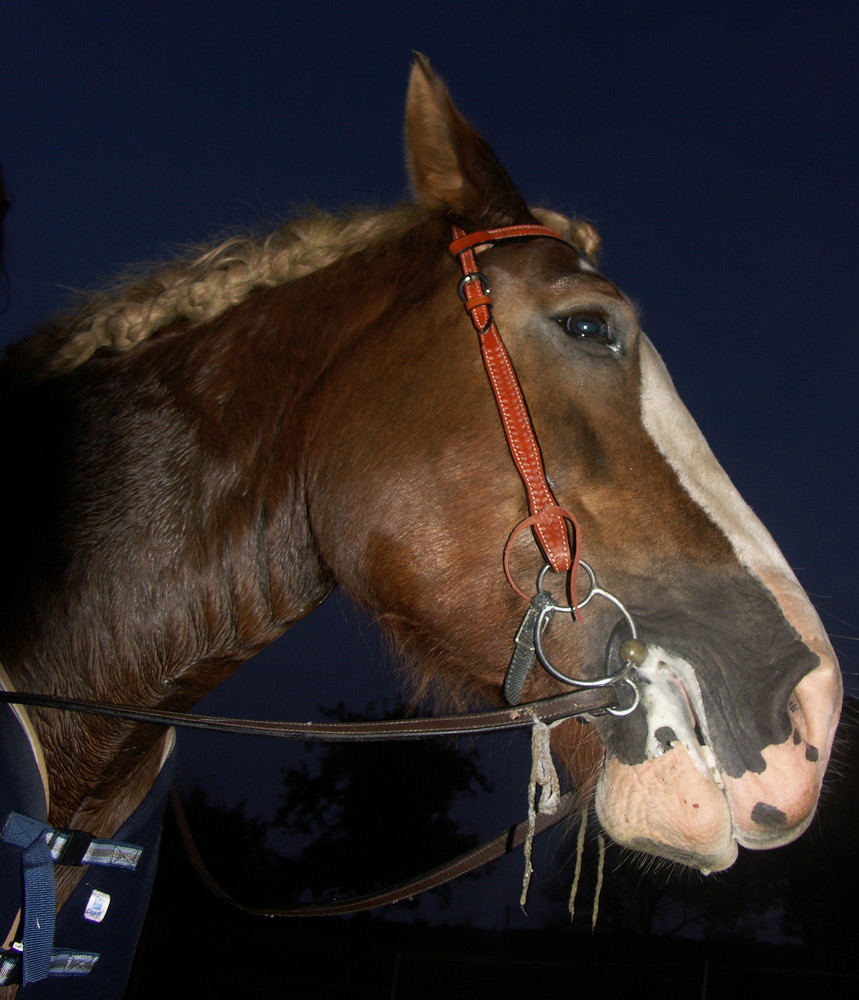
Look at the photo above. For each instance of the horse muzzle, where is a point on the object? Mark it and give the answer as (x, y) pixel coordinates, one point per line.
(685, 780)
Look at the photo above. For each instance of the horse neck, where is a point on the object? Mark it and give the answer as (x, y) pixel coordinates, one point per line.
(181, 545)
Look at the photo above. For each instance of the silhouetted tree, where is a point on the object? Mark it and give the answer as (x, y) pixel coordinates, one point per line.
(232, 845)
(374, 814)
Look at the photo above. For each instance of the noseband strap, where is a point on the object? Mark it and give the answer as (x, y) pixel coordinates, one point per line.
(549, 521)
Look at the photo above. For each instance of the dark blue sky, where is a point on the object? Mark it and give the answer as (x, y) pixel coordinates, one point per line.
(712, 145)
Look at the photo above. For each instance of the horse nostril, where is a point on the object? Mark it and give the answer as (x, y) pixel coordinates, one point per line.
(801, 707)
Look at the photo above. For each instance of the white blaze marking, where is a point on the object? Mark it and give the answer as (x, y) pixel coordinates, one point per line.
(681, 443)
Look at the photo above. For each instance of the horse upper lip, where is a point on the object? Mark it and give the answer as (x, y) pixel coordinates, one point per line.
(674, 709)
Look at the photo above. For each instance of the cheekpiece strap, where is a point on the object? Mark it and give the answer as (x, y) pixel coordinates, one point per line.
(550, 527)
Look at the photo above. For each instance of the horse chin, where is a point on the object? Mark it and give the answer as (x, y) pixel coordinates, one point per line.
(677, 803)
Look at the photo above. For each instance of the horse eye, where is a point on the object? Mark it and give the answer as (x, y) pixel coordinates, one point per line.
(588, 326)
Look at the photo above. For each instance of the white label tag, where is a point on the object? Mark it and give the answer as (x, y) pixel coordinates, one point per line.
(97, 906)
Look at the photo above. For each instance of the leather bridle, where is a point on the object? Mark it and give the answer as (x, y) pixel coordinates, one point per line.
(555, 529)
(550, 711)
(556, 532)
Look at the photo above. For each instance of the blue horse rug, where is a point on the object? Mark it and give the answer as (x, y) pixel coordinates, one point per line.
(86, 951)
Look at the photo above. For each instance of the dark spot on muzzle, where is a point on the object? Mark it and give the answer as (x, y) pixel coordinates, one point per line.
(666, 738)
(812, 753)
(768, 816)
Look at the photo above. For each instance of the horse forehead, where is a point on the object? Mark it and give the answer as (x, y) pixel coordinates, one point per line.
(546, 265)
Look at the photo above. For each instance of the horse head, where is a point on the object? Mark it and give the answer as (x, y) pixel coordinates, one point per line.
(198, 459)
(739, 688)
(203, 456)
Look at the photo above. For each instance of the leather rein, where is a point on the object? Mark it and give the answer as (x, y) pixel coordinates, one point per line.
(570, 705)
(550, 710)
(558, 537)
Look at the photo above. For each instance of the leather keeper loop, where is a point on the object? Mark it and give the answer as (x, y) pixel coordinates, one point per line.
(478, 301)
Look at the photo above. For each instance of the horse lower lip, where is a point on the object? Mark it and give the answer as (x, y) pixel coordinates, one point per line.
(669, 806)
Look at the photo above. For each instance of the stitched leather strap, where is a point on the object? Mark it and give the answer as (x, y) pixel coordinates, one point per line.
(548, 519)
(563, 706)
(463, 241)
(489, 851)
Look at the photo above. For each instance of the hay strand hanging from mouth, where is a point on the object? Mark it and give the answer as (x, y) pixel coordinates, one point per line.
(544, 775)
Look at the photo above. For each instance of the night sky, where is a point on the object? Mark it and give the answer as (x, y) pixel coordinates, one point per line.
(713, 146)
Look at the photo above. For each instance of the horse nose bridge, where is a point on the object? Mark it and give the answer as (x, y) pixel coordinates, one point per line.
(746, 653)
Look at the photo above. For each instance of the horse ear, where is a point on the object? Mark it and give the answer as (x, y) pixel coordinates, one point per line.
(451, 166)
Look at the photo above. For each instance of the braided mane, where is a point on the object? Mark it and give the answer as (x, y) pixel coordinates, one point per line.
(205, 283)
